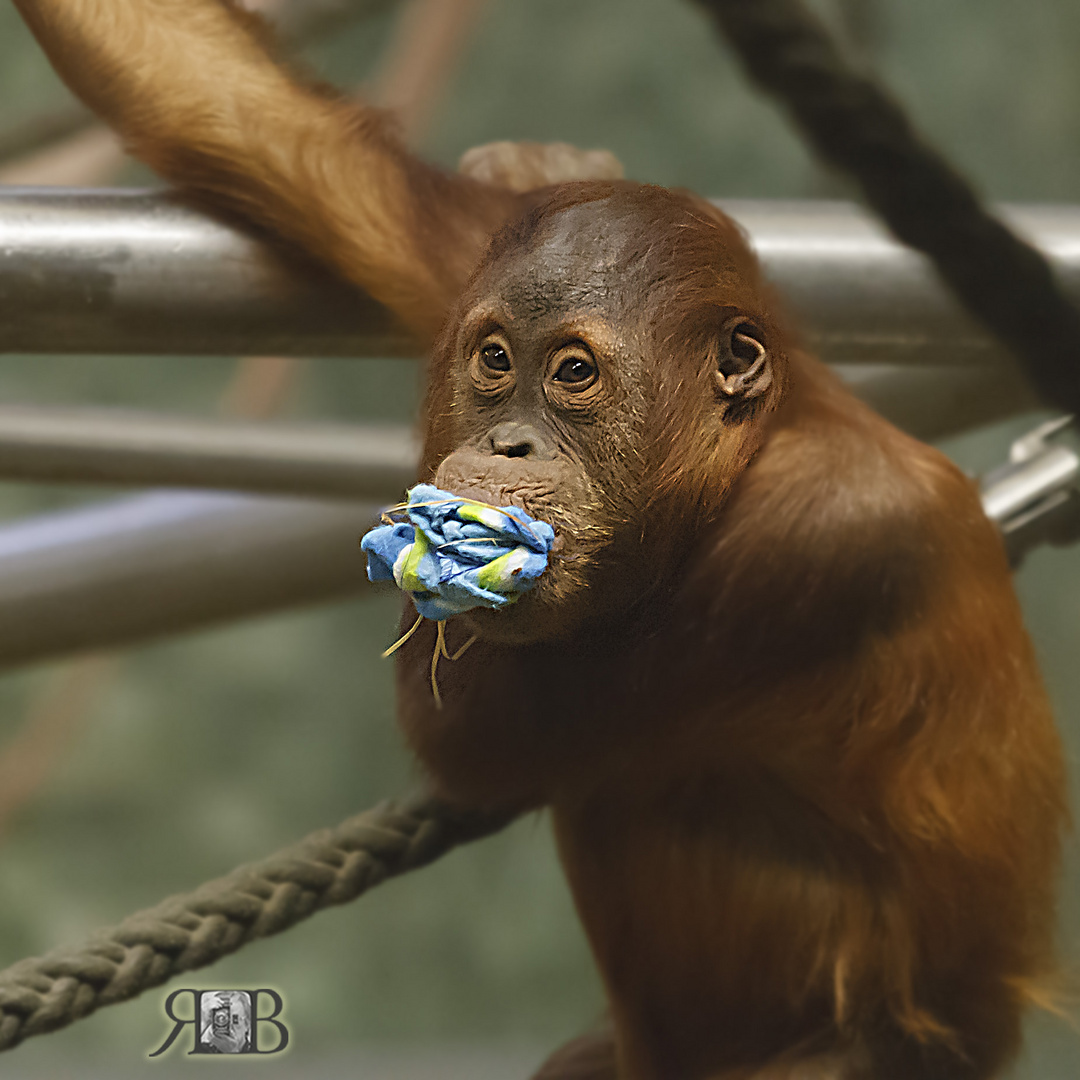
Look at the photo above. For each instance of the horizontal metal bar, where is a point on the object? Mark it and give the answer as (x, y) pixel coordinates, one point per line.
(141, 272)
(861, 296)
(131, 569)
(119, 447)
(136, 568)
(113, 446)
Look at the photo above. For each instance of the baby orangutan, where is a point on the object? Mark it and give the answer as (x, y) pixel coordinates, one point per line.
(774, 684)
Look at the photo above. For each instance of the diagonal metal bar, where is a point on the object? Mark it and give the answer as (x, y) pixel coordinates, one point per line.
(130, 569)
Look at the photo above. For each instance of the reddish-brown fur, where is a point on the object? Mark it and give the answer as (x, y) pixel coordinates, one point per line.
(776, 687)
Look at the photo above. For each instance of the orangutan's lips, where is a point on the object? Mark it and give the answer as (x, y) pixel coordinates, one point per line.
(499, 481)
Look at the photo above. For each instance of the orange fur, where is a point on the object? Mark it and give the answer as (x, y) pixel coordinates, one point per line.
(807, 790)
(195, 94)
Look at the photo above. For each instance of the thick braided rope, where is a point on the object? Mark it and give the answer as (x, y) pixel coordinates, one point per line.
(332, 866)
(858, 128)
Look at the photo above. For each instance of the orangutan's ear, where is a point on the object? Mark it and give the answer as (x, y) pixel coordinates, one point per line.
(744, 364)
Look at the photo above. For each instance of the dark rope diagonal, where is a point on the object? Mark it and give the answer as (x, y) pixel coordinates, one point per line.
(332, 866)
(857, 127)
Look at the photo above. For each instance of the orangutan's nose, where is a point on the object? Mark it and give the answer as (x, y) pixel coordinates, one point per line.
(516, 440)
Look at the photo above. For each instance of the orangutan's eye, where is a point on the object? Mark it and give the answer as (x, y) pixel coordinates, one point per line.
(577, 372)
(494, 357)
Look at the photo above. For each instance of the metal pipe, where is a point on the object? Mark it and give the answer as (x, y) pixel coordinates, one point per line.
(110, 446)
(120, 447)
(126, 271)
(136, 568)
(142, 272)
(861, 297)
(131, 569)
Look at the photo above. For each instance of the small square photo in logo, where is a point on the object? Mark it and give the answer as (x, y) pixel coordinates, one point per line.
(225, 1022)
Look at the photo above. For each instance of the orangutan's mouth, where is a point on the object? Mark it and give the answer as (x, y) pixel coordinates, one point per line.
(501, 481)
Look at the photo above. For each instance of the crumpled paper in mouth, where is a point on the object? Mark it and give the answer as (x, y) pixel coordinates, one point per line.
(451, 554)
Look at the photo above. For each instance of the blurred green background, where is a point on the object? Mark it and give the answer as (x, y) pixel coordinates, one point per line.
(219, 747)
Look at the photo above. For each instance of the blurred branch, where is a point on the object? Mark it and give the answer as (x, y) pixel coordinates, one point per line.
(42, 129)
(90, 157)
(422, 55)
(47, 729)
(260, 386)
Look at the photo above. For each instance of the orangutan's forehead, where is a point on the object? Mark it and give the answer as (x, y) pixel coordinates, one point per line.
(582, 258)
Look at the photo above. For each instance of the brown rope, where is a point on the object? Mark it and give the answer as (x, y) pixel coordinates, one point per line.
(332, 866)
(854, 124)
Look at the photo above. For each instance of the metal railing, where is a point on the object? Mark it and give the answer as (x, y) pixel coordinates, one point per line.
(142, 273)
(130, 271)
